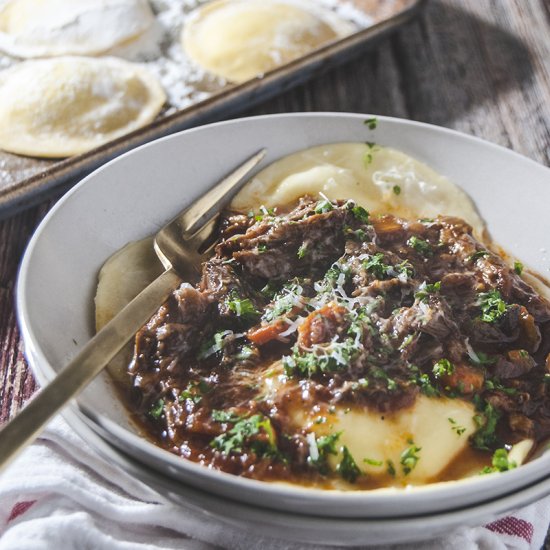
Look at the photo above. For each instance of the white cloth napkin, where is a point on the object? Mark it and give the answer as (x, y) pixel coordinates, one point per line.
(60, 494)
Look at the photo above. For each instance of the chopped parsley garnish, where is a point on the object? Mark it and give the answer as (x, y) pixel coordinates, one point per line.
(323, 206)
(325, 358)
(213, 345)
(284, 301)
(425, 289)
(264, 212)
(396, 189)
(360, 214)
(485, 437)
(496, 385)
(518, 267)
(225, 416)
(348, 468)
(320, 448)
(372, 462)
(302, 251)
(359, 234)
(390, 468)
(492, 306)
(443, 368)
(480, 358)
(409, 458)
(478, 254)
(383, 375)
(194, 391)
(332, 356)
(420, 245)
(372, 123)
(241, 307)
(500, 463)
(157, 409)
(426, 386)
(262, 247)
(367, 159)
(455, 427)
(254, 432)
(375, 265)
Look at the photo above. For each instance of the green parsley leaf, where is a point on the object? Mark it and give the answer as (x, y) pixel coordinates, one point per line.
(326, 445)
(426, 386)
(213, 345)
(409, 458)
(500, 463)
(372, 462)
(396, 189)
(375, 265)
(390, 468)
(492, 306)
(262, 247)
(477, 254)
(157, 409)
(302, 251)
(425, 289)
(323, 207)
(194, 391)
(443, 367)
(241, 307)
(283, 301)
(348, 468)
(243, 434)
(360, 214)
(224, 416)
(518, 267)
(420, 245)
(455, 427)
(485, 437)
(372, 123)
(480, 358)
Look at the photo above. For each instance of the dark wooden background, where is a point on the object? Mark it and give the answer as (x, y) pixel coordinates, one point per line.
(478, 66)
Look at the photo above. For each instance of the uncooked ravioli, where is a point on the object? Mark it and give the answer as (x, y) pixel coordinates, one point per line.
(44, 28)
(65, 106)
(240, 39)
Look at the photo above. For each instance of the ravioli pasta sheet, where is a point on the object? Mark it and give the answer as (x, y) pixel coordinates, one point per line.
(239, 39)
(45, 28)
(65, 106)
(380, 179)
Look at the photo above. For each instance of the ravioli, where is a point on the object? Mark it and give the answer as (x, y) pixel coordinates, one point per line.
(66, 106)
(380, 179)
(240, 39)
(45, 28)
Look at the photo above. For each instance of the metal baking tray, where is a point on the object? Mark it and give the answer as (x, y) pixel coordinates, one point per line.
(25, 181)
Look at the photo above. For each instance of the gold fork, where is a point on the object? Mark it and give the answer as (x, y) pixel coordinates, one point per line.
(181, 246)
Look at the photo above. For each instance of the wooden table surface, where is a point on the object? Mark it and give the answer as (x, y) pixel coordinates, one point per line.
(478, 66)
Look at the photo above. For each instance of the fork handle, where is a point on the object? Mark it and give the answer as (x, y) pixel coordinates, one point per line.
(87, 364)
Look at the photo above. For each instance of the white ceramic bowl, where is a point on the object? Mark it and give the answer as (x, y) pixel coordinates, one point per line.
(135, 194)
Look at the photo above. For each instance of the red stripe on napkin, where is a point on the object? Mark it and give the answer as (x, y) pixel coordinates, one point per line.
(512, 526)
(20, 508)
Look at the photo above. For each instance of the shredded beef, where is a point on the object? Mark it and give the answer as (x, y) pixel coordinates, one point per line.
(359, 311)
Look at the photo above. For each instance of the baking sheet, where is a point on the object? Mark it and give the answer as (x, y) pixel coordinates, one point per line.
(194, 96)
